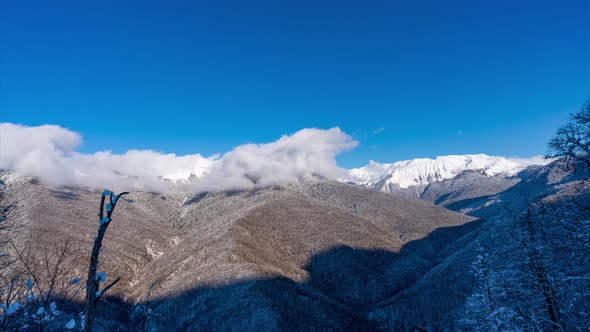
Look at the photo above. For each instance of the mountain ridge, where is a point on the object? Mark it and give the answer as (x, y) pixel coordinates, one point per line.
(322, 253)
(388, 177)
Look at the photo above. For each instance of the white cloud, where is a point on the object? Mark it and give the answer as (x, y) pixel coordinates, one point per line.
(377, 131)
(306, 153)
(535, 160)
(49, 152)
(37, 150)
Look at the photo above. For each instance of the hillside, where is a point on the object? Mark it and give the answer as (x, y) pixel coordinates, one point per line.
(524, 268)
(328, 255)
(340, 248)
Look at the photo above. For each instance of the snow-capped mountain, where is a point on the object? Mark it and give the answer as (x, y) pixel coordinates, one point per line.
(424, 171)
(421, 172)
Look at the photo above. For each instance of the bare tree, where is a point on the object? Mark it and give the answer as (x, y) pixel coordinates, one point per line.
(12, 292)
(572, 140)
(146, 310)
(11, 285)
(93, 293)
(538, 267)
(39, 281)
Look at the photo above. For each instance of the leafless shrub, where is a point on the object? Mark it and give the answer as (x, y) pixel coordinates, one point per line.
(38, 281)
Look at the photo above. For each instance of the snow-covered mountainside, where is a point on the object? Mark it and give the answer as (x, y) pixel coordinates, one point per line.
(424, 171)
(321, 254)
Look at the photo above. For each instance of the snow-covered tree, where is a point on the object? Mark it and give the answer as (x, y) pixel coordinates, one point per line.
(534, 271)
(485, 309)
(93, 291)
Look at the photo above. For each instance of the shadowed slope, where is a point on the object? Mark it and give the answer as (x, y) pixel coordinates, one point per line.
(320, 253)
(343, 286)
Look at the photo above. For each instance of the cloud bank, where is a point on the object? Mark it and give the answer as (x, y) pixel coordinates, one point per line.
(306, 153)
(49, 152)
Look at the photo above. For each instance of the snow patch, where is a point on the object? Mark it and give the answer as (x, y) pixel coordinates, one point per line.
(70, 325)
(152, 250)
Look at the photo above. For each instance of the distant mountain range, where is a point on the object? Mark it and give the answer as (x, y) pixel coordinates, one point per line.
(414, 173)
(422, 172)
(452, 243)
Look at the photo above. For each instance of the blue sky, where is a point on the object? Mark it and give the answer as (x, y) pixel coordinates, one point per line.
(406, 79)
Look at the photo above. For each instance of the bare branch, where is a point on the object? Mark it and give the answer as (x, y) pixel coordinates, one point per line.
(104, 290)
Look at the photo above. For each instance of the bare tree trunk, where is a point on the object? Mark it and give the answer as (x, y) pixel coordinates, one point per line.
(93, 293)
(543, 282)
(146, 308)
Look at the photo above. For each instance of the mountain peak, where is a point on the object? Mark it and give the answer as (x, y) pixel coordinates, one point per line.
(423, 171)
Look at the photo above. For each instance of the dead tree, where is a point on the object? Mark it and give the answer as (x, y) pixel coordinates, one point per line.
(93, 291)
